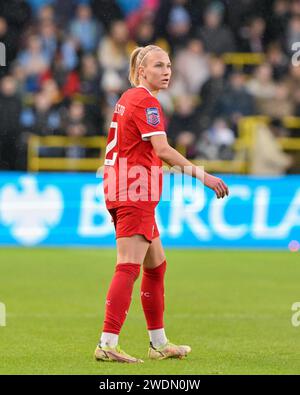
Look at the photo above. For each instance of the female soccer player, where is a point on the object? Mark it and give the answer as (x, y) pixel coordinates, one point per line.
(137, 144)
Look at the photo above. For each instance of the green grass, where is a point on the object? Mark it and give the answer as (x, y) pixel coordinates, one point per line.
(232, 307)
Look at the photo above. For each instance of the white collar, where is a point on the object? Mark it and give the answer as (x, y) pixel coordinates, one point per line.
(142, 86)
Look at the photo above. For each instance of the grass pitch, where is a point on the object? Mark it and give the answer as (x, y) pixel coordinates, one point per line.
(232, 307)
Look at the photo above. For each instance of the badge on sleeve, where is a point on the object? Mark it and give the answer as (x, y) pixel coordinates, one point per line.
(152, 116)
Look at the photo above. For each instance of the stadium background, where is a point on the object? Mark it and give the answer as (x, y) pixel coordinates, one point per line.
(233, 106)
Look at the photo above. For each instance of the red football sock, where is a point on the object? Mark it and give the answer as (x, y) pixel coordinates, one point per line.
(119, 296)
(152, 296)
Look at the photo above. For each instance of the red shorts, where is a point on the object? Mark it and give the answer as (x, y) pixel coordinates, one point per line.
(131, 221)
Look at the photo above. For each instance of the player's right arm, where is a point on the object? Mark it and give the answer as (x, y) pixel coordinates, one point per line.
(173, 158)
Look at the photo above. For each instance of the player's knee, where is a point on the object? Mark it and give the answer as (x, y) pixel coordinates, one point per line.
(154, 263)
(130, 268)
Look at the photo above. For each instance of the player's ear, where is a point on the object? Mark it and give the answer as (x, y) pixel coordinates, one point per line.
(142, 72)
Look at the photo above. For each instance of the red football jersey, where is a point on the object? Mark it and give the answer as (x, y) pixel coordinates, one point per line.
(132, 171)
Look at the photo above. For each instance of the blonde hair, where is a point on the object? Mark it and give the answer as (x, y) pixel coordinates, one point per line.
(136, 59)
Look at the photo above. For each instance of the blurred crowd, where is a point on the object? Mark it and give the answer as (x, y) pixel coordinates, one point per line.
(67, 65)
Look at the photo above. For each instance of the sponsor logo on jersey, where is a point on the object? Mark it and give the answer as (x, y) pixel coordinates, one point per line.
(152, 114)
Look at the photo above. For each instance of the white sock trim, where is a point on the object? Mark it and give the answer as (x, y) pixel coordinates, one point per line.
(158, 337)
(109, 339)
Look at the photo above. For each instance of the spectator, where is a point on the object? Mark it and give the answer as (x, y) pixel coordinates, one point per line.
(69, 53)
(278, 20)
(268, 157)
(191, 67)
(48, 35)
(85, 29)
(262, 86)
(42, 119)
(91, 92)
(178, 25)
(293, 33)
(75, 150)
(294, 77)
(10, 109)
(295, 7)
(216, 143)
(112, 51)
(68, 82)
(34, 62)
(19, 76)
(46, 14)
(278, 60)
(145, 34)
(51, 89)
(253, 39)
(183, 130)
(237, 13)
(75, 115)
(90, 77)
(211, 91)
(235, 101)
(143, 15)
(167, 11)
(17, 13)
(142, 29)
(217, 37)
(64, 11)
(112, 85)
(76, 125)
(106, 11)
(281, 104)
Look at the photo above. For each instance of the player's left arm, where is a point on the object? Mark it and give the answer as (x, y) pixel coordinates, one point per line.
(173, 158)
